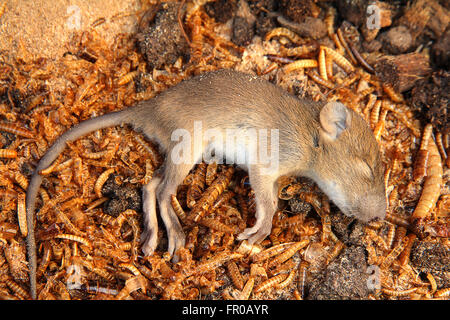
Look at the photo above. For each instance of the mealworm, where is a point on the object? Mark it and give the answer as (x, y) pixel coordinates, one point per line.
(440, 145)
(216, 225)
(395, 96)
(389, 259)
(270, 252)
(375, 113)
(300, 64)
(322, 65)
(72, 237)
(127, 78)
(132, 268)
(269, 283)
(313, 75)
(401, 293)
(21, 180)
(339, 59)
(211, 173)
(15, 129)
(235, 275)
(379, 127)
(299, 51)
(17, 289)
(432, 283)
(283, 32)
(329, 20)
(404, 256)
(8, 153)
(177, 207)
(443, 292)
(101, 181)
(432, 186)
(338, 247)
(21, 214)
(288, 253)
(390, 235)
(288, 280)
(245, 293)
(419, 170)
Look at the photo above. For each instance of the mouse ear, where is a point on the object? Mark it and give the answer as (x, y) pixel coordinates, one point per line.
(334, 119)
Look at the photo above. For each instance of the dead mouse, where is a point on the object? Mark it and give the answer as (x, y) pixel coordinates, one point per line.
(328, 143)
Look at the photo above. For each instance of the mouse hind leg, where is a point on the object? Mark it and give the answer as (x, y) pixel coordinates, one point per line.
(265, 188)
(149, 237)
(173, 177)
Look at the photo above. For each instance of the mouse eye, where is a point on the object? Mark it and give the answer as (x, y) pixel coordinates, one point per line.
(366, 168)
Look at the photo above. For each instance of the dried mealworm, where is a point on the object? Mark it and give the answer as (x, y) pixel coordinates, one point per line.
(21, 214)
(288, 280)
(269, 283)
(432, 186)
(72, 237)
(15, 129)
(419, 170)
(235, 275)
(401, 293)
(270, 252)
(313, 75)
(101, 181)
(245, 293)
(288, 253)
(127, 78)
(283, 32)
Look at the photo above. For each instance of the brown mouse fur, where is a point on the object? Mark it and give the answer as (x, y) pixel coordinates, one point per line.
(326, 142)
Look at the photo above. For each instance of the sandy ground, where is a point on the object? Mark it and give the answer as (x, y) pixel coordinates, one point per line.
(44, 26)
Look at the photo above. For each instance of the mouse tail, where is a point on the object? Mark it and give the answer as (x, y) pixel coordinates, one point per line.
(83, 128)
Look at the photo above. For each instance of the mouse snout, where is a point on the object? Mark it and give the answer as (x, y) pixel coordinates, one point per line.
(371, 208)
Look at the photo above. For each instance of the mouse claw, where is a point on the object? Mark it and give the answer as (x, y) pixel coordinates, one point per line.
(176, 241)
(254, 234)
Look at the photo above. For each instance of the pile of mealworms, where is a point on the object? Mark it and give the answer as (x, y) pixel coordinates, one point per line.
(85, 253)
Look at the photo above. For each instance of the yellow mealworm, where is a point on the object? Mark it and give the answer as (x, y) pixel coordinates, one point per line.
(313, 75)
(248, 288)
(216, 225)
(419, 170)
(379, 127)
(127, 78)
(132, 268)
(21, 180)
(375, 113)
(432, 186)
(283, 32)
(300, 64)
(390, 235)
(8, 153)
(329, 66)
(17, 289)
(22, 214)
(389, 259)
(322, 65)
(396, 220)
(395, 96)
(269, 283)
(12, 128)
(339, 59)
(401, 293)
(329, 20)
(270, 252)
(370, 103)
(288, 280)
(72, 237)
(288, 253)
(432, 283)
(404, 256)
(235, 275)
(101, 181)
(299, 51)
(177, 207)
(339, 246)
(443, 293)
(211, 173)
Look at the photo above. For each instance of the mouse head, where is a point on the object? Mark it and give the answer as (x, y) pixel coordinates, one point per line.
(348, 166)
